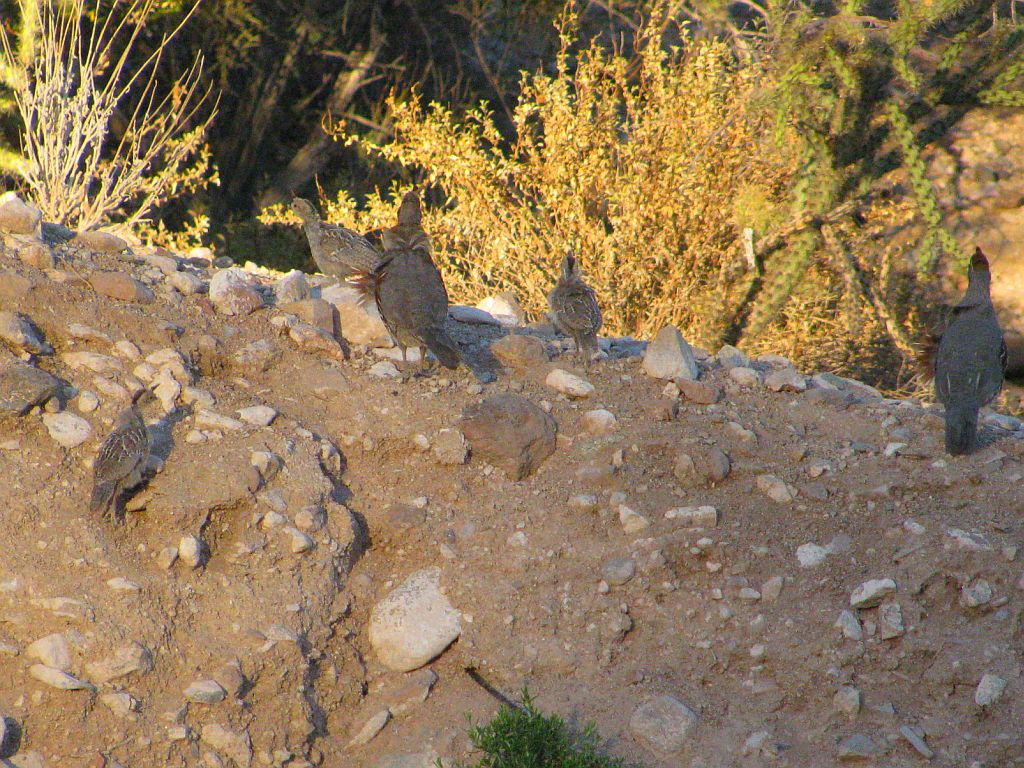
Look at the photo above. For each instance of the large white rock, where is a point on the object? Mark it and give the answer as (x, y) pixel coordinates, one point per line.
(232, 292)
(52, 651)
(360, 321)
(569, 384)
(414, 623)
(67, 429)
(670, 357)
(663, 724)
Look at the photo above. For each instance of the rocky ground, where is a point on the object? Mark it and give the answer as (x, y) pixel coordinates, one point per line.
(719, 561)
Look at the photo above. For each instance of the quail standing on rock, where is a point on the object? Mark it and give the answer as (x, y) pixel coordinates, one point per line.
(337, 251)
(574, 309)
(122, 457)
(970, 360)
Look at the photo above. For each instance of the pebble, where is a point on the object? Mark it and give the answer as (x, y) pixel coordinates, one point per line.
(299, 542)
(663, 724)
(669, 356)
(205, 692)
(370, 728)
(519, 352)
(121, 584)
(167, 557)
(192, 551)
(618, 570)
(22, 387)
(775, 488)
(858, 747)
(311, 518)
(599, 422)
(67, 429)
(258, 415)
(232, 292)
(510, 432)
(450, 447)
(585, 502)
(121, 286)
(51, 651)
(385, 369)
(292, 287)
(970, 542)
(847, 700)
(100, 240)
(186, 283)
(414, 623)
(569, 384)
(632, 522)
(745, 377)
(786, 380)
(211, 420)
(850, 626)
(730, 357)
(120, 703)
(989, 691)
(694, 517)
(700, 392)
(18, 217)
(890, 621)
(235, 745)
(771, 590)
(871, 593)
(915, 737)
(126, 660)
(976, 594)
(87, 401)
(55, 678)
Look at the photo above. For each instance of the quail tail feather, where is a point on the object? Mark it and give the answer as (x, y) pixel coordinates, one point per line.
(961, 430)
(102, 497)
(443, 347)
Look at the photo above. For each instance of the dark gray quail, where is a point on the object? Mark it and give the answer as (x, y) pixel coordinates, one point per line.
(413, 303)
(574, 309)
(337, 251)
(970, 360)
(122, 457)
(408, 234)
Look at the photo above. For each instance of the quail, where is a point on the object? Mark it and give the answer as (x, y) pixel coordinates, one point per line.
(970, 360)
(574, 309)
(122, 457)
(337, 251)
(413, 303)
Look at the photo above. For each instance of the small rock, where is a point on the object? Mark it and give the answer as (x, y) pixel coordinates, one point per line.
(890, 621)
(414, 623)
(663, 724)
(871, 593)
(771, 590)
(87, 402)
(23, 387)
(316, 312)
(127, 660)
(670, 357)
(632, 522)
(700, 392)
(450, 447)
(120, 703)
(67, 429)
(915, 737)
(511, 433)
(989, 691)
(291, 288)
(385, 369)
(299, 542)
(858, 747)
(192, 551)
(232, 293)
(211, 420)
(51, 651)
(121, 286)
(774, 487)
(186, 283)
(92, 361)
(786, 380)
(370, 728)
(811, 555)
(18, 333)
(847, 700)
(730, 357)
(236, 746)
(103, 242)
(745, 377)
(205, 692)
(970, 542)
(618, 570)
(599, 422)
(694, 517)
(258, 415)
(583, 502)
(505, 307)
(569, 384)
(850, 626)
(55, 678)
(519, 352)
(700, 466)
(167, 557)
(18, 217)
(360, 321)
(309, 337)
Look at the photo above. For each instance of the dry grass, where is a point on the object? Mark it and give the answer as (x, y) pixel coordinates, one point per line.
(67, 94)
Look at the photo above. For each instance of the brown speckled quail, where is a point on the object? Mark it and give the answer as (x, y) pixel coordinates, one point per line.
(337, 251)
(122, 457)
(574, 308)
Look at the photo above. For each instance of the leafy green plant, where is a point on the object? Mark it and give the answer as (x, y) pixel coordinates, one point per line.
(525, 737)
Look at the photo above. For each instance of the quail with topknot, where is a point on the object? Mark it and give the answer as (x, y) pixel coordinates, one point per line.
(338, 252)
(970, 360)
(574, 308)
(122, 457)
(408, 234)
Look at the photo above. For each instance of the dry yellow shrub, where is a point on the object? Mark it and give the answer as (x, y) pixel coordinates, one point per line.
(646, 166)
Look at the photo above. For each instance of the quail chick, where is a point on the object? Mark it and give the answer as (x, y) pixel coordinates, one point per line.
(970, 360)
(413, 303)
(122, 457)
(337, 251)
(574, 309)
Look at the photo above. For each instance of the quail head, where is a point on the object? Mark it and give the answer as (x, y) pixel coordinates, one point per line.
(337, 251)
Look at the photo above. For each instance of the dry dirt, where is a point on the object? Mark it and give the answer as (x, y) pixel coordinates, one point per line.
(522, 565)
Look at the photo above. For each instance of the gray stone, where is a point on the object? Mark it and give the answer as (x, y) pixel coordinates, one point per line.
(871, 593)
(694, 517)
(670, 357)
(235, 745)
(121, 286)
(847, 700)
(130, 659)
(232, 292)
(472, 315)
(745, 377)
(599, 421)
(511, 433)
(414, 623)
(67, 429)
(23, 386)
(850, 626)
(292, 287)
(915, 737)
(370, 728)
(990, 689)
(450, 447)
(192, 551)
(55, 678)
(618, 570)
(18, 333)
(858, 747)
(18, 217)
(663, 724)
(786, 380)
(505, 308)
(52, 651)
(730, 357)
(569, 384)
(775, 488)
(258, 415)
(976, 594)
(890, 621)
(98, 240)
(205, 692)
